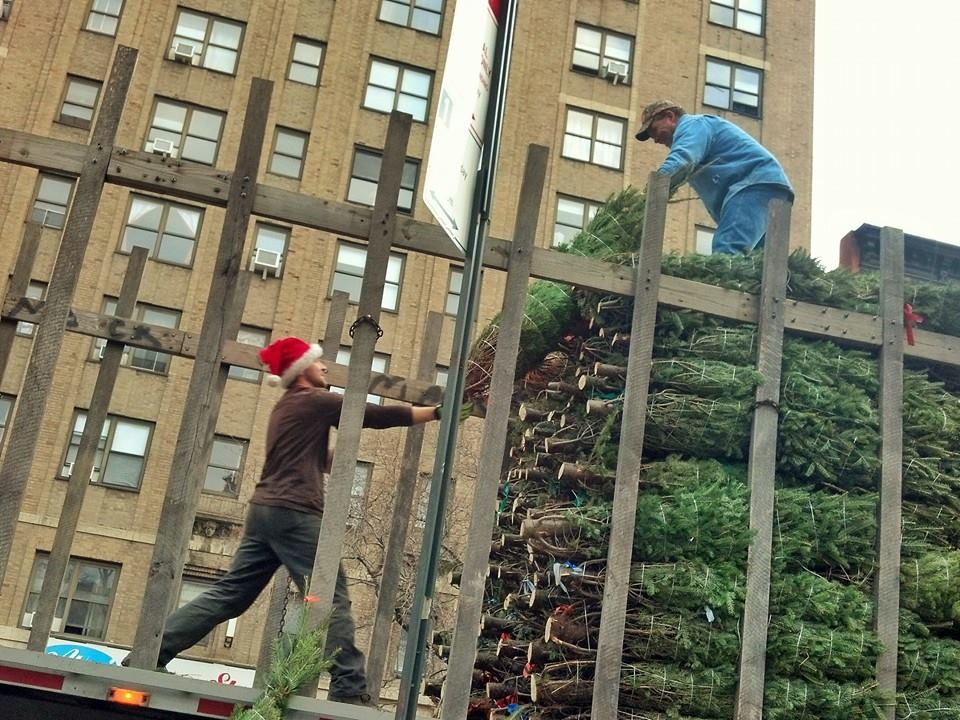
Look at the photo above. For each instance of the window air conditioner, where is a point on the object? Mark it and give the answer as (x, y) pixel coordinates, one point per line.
(266, 261)
(52, 219)
(162, 146)
(183, 53)
(614, 71)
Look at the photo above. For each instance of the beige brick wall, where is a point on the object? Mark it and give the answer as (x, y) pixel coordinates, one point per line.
(43, 41)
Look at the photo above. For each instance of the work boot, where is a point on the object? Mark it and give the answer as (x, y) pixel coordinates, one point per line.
(363, 699)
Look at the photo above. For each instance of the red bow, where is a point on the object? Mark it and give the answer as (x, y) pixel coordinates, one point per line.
(910, 320)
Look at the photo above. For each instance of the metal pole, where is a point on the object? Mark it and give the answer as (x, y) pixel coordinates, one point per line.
(419, 628)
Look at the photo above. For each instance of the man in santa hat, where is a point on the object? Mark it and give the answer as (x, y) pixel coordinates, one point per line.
(283, 520)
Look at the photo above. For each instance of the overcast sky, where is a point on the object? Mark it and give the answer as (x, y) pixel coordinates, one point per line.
(886, 131)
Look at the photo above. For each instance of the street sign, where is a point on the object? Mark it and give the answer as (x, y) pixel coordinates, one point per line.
(461, 115)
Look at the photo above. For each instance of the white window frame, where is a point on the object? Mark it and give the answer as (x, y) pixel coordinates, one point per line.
(69, 593)
(304, 68)
(49, 211)
(76, 99)
(104, 17)
(365, 180)
(186, 138)
(6, 413)
(100, 474)
(714, 84)
(451, 304)
(36, 290)
(358, 492)
(249, 335)
(214, 51)
(288, 137)
(216, 465)
(441, 376)
(385, 95)
(349, 277)
(588, 210)
(424, 16)
(167, 230)
(600, 58)
(379, 364)
(270, 243)
(741, 15)
(141, 359)
(573, 138)
(703, 240)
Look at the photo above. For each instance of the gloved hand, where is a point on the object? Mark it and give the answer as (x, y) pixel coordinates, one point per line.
(466, 410)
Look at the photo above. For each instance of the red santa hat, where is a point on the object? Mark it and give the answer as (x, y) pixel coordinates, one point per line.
(287, 358)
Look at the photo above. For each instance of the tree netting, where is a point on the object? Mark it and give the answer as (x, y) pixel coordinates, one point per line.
(686, 590)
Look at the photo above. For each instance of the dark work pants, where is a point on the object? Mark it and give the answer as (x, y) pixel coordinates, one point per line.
(272, 537)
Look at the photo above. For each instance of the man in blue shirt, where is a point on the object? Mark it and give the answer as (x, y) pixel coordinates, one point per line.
(734, 175)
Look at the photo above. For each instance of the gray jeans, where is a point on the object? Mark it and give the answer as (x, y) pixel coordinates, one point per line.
(272, 537)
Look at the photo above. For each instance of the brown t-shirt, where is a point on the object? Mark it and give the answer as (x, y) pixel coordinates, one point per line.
(297, 438)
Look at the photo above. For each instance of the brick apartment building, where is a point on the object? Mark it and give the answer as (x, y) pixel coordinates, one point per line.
(582, 71)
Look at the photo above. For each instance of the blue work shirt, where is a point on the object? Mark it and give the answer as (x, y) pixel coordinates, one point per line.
(719, 160)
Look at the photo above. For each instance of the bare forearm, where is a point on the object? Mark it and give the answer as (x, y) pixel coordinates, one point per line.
(420, 415)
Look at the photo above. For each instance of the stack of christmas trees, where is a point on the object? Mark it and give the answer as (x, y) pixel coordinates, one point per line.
(682, 633)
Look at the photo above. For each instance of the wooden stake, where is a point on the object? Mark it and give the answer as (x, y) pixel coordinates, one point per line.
(18, 288)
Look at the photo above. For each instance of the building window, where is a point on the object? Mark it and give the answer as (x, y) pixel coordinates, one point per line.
(746, 15)
(269, 249)
(36, 290)
(205, 40)
(348, 274)
(573, 215)
(443, 373)
(379, 364)
(423, 15)
(603, 53)
(6, 412)
(223, 471)
(289, 150)
(104, 16)
(358, 492)
(135, 357)
(454, 286)
(187, 131)
(366, 175)
(121, 452)
(86, 596)
(733, 87)
(401, 650)
(423, 504)
(79, 101)
(190, 590)
(249, 335)
(5, 9)
(594, 138)
(168, 230)
(392, 86)
(704, 240)
(52, 201)
(306, 61)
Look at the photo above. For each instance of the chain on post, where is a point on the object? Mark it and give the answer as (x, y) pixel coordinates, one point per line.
(366, 319)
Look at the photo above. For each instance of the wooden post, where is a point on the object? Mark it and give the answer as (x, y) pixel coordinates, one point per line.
(463, 651)
(633, 424)
(281, 582)
(17, 287)
(83, 464)
(402, 512)
(887, 585)
(365, 332)
(221, 322)
(48, 338)
(762, 464)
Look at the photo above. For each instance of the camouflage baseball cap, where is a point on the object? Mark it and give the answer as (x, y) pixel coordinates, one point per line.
(650, 112)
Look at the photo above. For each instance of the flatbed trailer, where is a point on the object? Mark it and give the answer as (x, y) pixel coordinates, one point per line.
(48, 687)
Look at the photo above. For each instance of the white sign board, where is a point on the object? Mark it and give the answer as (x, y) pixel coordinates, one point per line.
(461, 115)
(214, 672)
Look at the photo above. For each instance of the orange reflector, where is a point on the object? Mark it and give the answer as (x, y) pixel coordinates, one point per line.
(129, 697)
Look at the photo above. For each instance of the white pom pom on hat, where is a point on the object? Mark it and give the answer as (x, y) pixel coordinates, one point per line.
(287, 358)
